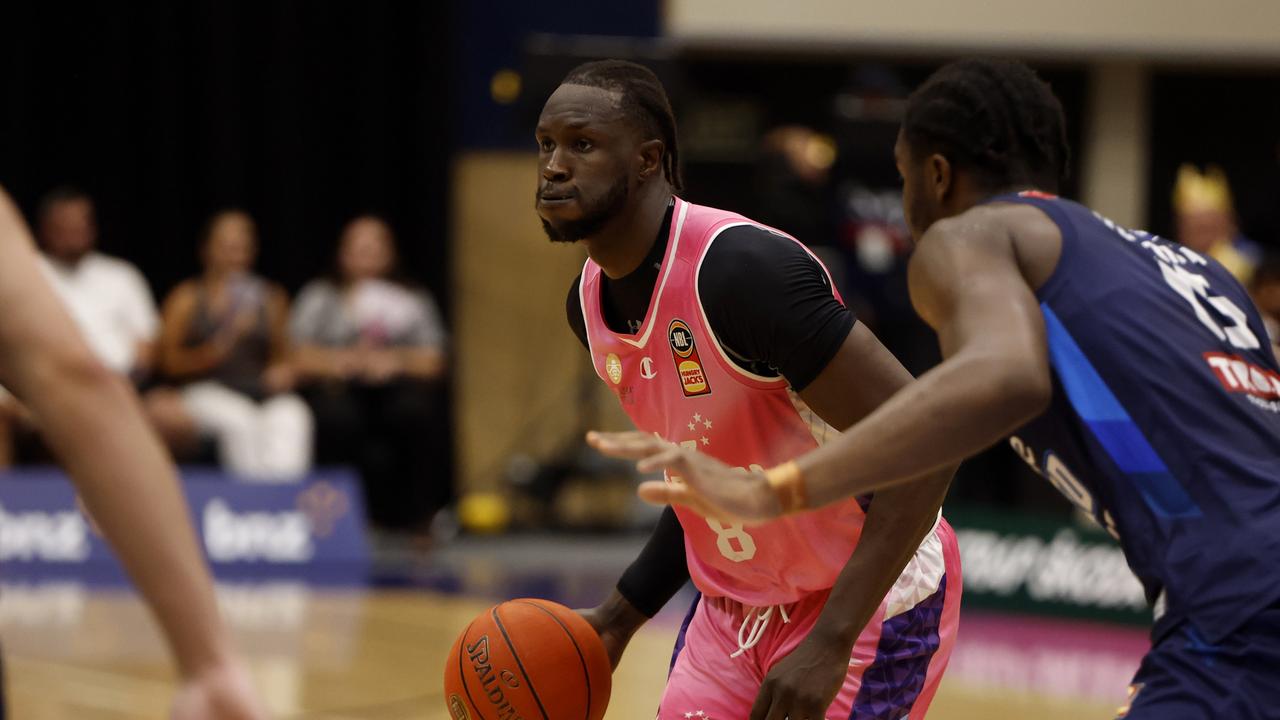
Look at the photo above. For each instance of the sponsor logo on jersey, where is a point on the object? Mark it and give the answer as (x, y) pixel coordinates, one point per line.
(1238, 375)
(646, 369)
(684, 351)
(613, 368)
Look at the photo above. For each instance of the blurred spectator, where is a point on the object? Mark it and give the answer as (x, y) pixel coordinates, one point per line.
(1265, 290)
(224, 336)
(871, 227)
(370, 351)
(1206, 221)
(108, 299)
(793, 190)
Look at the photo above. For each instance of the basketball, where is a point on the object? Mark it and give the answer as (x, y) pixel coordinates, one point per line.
(528, 659)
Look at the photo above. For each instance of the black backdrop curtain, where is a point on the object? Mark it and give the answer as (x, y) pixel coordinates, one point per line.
(303, 113)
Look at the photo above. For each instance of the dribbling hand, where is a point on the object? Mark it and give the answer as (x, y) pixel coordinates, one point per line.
(615, 639)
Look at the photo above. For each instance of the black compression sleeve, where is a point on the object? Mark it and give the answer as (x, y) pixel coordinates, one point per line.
(771, 303)
(660, 570)
(573, 313)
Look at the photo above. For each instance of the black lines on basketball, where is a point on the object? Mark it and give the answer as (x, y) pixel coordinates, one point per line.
(502, 629)
(462, 676)
(586, 674)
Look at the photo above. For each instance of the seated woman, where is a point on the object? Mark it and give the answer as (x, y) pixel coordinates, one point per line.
(370, 352)
(223, 336)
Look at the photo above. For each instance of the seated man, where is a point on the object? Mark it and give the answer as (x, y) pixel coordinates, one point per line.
(109, 300)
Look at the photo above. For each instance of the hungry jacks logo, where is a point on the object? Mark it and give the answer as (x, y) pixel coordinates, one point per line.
(684, 351)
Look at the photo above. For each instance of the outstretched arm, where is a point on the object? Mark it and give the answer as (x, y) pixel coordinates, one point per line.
(967, 284)
(94, 424)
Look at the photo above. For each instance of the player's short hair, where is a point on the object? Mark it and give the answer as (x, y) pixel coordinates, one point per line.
(994, 118)
(644, 101)
(59, 195)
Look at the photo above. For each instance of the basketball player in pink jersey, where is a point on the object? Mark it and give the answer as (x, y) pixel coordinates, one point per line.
(94, 424)
(724, 336)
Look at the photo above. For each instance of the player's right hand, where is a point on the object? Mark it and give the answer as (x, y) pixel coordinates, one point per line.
(223, 692)
(695, 480)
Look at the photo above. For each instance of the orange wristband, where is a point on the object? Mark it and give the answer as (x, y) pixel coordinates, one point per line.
(788, 486)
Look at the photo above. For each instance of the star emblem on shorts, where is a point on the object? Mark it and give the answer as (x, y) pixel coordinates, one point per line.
(699, 714)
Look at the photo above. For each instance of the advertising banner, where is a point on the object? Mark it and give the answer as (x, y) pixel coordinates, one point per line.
(312, 530)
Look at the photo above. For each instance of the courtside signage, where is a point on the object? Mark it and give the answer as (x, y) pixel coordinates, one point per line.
(309, 530)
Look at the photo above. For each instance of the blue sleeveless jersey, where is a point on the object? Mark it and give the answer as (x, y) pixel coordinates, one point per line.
(1165, 418)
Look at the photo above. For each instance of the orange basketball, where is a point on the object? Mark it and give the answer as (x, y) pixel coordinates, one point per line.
(528, 660)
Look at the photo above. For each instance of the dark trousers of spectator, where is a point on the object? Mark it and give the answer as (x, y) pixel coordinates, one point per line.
(395, 435)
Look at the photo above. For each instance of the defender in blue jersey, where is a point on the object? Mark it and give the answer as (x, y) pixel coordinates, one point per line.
(1131, 372)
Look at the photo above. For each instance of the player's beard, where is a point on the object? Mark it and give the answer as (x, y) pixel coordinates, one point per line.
(593, 218)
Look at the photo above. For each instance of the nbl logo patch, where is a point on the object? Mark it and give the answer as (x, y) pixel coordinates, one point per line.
(684, 350)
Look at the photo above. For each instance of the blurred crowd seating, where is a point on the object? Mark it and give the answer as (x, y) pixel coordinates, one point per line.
(233, 372)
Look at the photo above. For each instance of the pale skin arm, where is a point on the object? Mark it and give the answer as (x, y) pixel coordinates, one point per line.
(966, 283)
(93, 422)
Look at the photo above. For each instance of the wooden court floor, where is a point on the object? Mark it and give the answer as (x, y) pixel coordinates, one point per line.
(73, 654)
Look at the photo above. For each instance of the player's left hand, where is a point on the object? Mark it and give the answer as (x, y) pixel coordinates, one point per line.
(803, 684)
(697, 481)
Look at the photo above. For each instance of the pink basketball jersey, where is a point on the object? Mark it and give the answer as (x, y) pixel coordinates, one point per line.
(674, 379)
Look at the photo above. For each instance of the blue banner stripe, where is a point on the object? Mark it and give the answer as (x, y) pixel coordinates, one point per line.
(1111, 425)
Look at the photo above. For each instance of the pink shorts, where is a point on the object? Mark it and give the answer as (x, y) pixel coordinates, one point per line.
(894, 669)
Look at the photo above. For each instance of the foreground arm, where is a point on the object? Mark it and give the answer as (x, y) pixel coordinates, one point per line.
(94, 424)
(966, 283)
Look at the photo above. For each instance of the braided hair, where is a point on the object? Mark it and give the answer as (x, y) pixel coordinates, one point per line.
(995, 118)
(644, 101)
